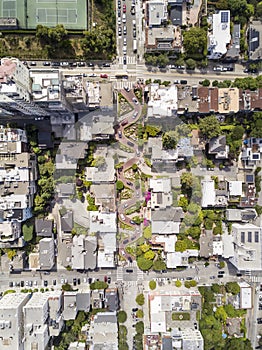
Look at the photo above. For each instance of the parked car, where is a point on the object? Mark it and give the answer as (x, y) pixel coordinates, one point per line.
(129, 270)
(45, 283)
(103, 76)
(46, 63)
(126, 88)
(135, 101)
(105, 278)
(108, 280)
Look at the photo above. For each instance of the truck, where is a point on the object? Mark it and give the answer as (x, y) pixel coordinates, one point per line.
(134, 45)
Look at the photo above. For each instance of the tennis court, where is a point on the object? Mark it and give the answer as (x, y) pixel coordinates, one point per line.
(71, 13)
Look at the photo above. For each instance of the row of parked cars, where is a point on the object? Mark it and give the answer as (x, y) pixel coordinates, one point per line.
(66, 64)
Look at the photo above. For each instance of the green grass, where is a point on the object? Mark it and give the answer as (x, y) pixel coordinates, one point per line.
(180, 316)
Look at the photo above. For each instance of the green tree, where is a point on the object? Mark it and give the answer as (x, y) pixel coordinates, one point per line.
(232, 287)
(186, 180)
(216, 288)
(149, 255)
(221, 314)
(222, 264)
(147, 232)
(237, 133)
(98, 285)
(169, 140)
(205, 82)
(238, 344)
(259, 10)
(183, 203)
(152, 285)
(140, 327)
(178, 283)
(119, 185)
(67, 287)
(139, 313)
(11, 253)
(195, 42)
(209, 127)
(144, 264)
(159, 265)
(181, 245)
(190, 63)
(140, 299)
(121, 316)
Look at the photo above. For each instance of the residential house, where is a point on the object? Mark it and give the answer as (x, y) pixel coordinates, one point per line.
(67, 157)
(70, 309)
(219, 38)
(220, 100)
(247, 247)
(83, 300)
(17, 185)
(104, 196)
(103, 225)
(254, 45)
(65, 190)
(161, 303)
(36, 322)
(161, 159)
(98, 127)
(251, 152)
(161, 195)
(186, 339)
(217, 146)
(206, 244)
(77, 346)
(162, 103)
(111, 299)
(103, 333)
(250, 100)
(67, 224)
(241, 215)
(212, 197)
(12, 321)
(246, 296)
(46, 253)
(233, 51)
(178, 259)
(44, 227)
(104, 173)
(167, 221)
(56, 320)
(84, 253)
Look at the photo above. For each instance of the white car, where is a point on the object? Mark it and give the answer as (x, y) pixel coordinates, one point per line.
(124, 41)
(119, 20)
(124, 49)
(135, 101)
(92, 75)
(124, 18)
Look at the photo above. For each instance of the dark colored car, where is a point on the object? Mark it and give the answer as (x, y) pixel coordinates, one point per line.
(74, 281)
(45, 283)
(130, 143)
(108, 280)
(183, 82)
(125, 241)
(129, 271)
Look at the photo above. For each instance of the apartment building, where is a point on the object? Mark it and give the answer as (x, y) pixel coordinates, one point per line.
(246, 247)
(17, 185)
(12, 321)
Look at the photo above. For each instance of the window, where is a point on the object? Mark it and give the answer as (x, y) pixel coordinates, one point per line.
(249, 237)
(242, 237)
(256, 237)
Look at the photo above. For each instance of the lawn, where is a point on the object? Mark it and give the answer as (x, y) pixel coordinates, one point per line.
(180, 316)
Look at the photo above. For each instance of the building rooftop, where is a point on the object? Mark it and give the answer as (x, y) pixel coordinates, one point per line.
(220, 37)
(157, 12)
(162, 101)
(12, 301)
(44, 227)
(255, 37)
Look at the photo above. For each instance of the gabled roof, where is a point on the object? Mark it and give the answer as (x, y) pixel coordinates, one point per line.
(43, 227)
(67, 222)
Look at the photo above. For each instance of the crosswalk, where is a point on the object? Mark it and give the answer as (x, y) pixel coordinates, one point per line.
(255, 279)
(121, 84)
(119, 273)
(129, 59)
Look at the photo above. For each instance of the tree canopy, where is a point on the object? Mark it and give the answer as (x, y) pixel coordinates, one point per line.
(195, 42)
(209, 127)
(140, 299)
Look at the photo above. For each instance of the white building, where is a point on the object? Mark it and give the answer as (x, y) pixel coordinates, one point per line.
(247, 240)
(220, 36)
(12, 321)
(162, 101)
(208, 193)
(35, 322)
(157, 12)
(104, 331)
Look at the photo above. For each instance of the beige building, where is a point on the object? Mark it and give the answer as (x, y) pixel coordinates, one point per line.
(228, 100)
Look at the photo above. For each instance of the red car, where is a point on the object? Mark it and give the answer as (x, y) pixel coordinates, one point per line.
(105, 279)
(124, 8)
(103, 76)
